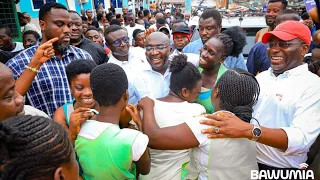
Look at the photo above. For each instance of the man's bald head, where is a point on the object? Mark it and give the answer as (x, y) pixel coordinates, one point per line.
(158, 36)
(159, 15)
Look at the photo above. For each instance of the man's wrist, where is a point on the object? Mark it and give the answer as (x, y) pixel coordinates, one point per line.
(35, 64)
(248, 132)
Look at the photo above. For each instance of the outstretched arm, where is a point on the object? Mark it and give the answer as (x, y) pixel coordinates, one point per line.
(230, 126)
(169, 138)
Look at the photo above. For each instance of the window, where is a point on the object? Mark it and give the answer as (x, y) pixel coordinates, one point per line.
(116, 3)
(7, 12)
(38, 3)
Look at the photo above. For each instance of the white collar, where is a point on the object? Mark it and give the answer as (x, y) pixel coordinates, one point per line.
(302, 69)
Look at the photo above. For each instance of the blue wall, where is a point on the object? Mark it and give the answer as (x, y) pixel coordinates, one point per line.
(26, 6)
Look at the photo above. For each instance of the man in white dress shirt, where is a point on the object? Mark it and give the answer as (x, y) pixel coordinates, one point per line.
(156, 74)
(117, 41)
(288, 105)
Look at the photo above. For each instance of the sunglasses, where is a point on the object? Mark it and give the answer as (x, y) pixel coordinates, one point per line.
(282, 44)
(118, 42)
(157, 48)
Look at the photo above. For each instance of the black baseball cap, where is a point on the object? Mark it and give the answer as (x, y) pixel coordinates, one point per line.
(182, 29)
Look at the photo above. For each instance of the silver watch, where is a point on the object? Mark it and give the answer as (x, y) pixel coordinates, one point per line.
(256, 132)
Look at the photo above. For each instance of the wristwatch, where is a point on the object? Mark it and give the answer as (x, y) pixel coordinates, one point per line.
(256, 132)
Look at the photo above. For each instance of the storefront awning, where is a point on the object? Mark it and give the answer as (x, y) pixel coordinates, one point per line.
(173, 1)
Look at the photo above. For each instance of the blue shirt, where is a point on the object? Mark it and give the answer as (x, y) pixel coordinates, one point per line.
(49, 89)
(258, 60)
(230, 61)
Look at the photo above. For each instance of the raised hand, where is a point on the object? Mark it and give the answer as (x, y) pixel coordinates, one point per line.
(146, 102)
(78, 117)
(135, 115)
(44, 52)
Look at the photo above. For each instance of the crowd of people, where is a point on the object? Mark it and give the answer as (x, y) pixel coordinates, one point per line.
(139, 96)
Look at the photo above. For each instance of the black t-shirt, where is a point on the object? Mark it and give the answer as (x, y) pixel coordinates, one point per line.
(94, 23)
(95, 50)
(6, 55)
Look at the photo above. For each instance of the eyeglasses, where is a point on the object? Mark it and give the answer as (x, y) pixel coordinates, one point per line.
(118, 42)
(282, 44)
(157, 48)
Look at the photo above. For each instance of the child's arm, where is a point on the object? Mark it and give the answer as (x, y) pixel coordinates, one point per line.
(144, 163)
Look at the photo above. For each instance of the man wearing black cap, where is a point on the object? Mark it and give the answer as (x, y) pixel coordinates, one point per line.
(181, 37)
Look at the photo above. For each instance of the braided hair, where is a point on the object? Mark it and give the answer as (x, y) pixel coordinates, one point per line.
(184, 74)
(233, 39)
(32, 147)
(238, 91)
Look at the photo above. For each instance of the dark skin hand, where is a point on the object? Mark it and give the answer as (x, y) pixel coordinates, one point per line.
(230, 126)
(77, 118)
(130, 112)
(170, 138)
(144, 163)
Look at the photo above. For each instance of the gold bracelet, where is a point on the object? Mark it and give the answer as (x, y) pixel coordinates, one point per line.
(31, 69)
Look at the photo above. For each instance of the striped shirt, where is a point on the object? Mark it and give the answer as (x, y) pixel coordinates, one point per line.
(49, 89)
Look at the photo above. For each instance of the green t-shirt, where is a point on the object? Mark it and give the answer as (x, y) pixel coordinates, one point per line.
(204, 97)
(107, 156)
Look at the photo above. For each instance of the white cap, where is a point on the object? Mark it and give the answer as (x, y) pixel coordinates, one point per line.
(167, 11)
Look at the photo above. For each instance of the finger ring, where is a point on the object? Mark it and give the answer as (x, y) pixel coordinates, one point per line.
(216, 130)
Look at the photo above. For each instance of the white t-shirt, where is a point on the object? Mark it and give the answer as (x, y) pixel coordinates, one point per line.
(200, 153)
(19, 46)
(30, 110)
(92, 129)
(131, 29)
(166, 164)
(193, 58)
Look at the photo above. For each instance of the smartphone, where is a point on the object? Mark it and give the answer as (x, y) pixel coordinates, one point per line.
(94, 111)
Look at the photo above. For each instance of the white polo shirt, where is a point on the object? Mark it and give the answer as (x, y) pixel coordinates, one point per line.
(290, 101)
(137, 87)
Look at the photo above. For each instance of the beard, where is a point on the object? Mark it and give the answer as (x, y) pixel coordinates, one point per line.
(270, 22)
(60, 47)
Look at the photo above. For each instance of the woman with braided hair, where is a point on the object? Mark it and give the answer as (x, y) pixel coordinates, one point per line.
(212, 55)
(34, 147)
(235, 92)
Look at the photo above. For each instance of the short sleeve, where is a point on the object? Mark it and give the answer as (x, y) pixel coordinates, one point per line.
(196, 128)
(139, 146)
